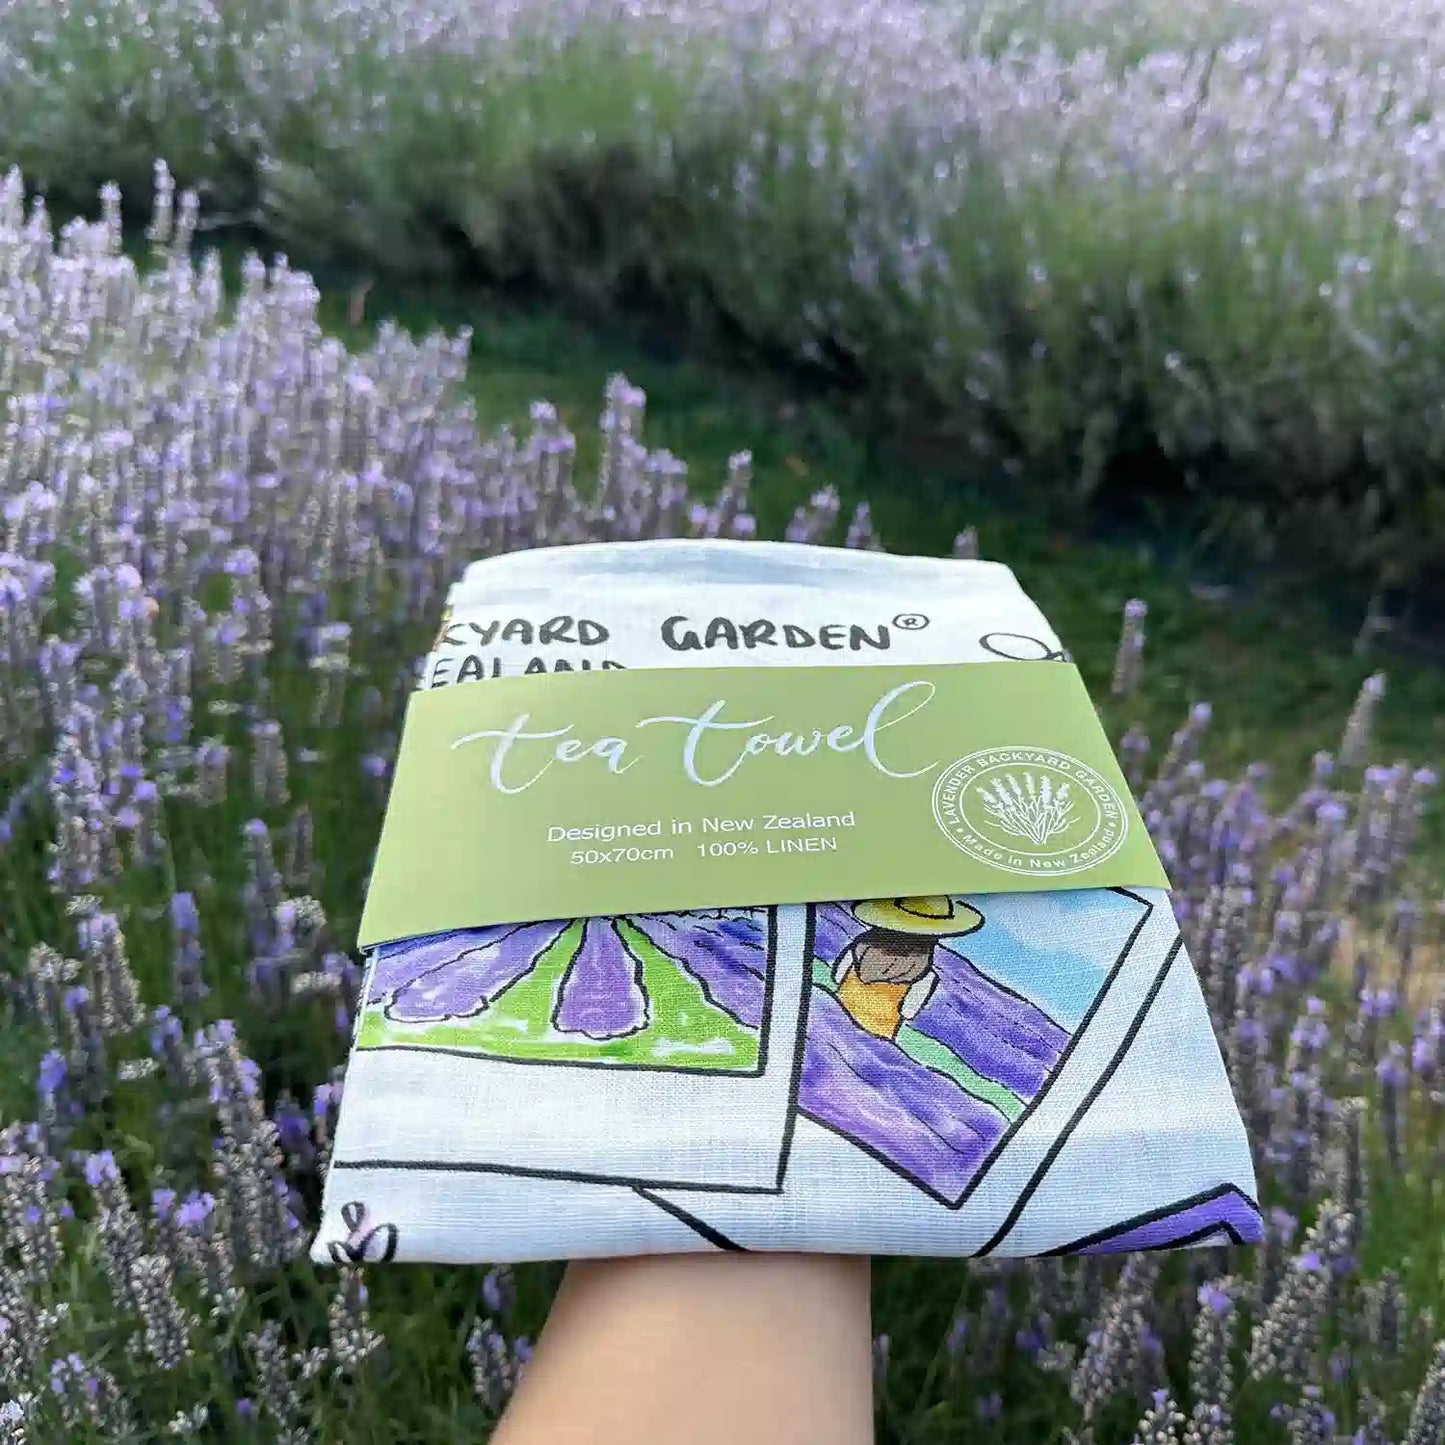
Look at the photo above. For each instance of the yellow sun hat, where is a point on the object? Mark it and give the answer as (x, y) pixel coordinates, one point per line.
(932, 915)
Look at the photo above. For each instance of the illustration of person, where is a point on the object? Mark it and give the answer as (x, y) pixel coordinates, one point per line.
(887, 974)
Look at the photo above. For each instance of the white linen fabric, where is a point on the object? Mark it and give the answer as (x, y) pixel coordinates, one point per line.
(1007, 1073)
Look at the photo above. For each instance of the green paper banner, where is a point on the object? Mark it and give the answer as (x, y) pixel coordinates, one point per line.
(662, 790)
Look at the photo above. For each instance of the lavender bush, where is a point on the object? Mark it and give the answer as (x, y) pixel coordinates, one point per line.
(225, 539)
(1077, 233)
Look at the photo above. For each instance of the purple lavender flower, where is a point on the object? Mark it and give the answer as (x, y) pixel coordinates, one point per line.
(253, 519)
(1216, 1300)
(51, 1074)
(1392, 1070)
(187, 961)
(1428, 1045)
(1128, 660)
(278, 1374)
(495, 1365)
(1427, 1418)
(194, 1210)
(293, 1128)
(353, 1340)
(1160, 1425)
(167, 1325)
(247, 1163)
(1361, 721)
(1211, 1372)
(1112, 1356)
(1287, 1335)
(100, 1168)
(499, 1292)
(1393, 1073)
(88, 1397)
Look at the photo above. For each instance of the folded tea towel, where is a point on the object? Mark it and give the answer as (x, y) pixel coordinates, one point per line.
(1006, 1073)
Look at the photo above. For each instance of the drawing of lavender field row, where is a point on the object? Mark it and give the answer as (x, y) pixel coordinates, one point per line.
(689, 991)
(570, 991)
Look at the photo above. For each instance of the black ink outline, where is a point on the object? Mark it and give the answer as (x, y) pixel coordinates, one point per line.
(1185, 1240)
(1002, 987)
(519, 1171)
(1192, 1201)
(642, 1186)
(388, 1000)
(696, 977)
(1087, 1103)
(344, 1252)
(461, 1051)
(800, 1041)
(637, 966)
(1049, 654)
(713, 1236)
(991, 1157)
(631, 1181)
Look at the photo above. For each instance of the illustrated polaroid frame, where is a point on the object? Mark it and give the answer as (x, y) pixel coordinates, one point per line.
(452, 1109)
(1140, 934)
(813, 1187)
(826, 1166)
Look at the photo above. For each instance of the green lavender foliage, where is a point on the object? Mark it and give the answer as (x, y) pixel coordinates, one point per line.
(1161, 252)
(224, 544)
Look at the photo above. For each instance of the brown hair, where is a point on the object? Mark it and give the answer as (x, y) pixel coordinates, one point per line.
(881, 956)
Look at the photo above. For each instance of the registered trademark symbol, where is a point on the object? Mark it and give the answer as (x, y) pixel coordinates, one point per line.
(910, 621)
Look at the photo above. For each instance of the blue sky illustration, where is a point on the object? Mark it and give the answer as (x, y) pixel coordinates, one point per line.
(1054, 948)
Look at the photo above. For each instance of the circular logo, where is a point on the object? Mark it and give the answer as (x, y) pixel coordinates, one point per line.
(1030, 810)
(911, 621)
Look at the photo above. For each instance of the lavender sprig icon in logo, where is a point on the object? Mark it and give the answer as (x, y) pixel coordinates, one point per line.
(1030, 810)
(1029, 807)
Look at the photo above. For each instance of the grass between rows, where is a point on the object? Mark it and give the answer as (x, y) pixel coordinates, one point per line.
(1277, 663)
(1278, 667)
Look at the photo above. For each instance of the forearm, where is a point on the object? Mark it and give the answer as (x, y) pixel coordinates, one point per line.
(702, 1350)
